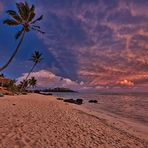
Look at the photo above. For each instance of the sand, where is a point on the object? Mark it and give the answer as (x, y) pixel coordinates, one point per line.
(37, 121)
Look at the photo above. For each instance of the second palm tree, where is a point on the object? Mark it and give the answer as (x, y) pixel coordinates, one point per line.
(36, 58)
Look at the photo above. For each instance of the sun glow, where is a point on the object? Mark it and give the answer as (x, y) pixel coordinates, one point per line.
(126, 82)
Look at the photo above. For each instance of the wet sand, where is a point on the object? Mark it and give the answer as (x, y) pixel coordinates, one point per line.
(37, 121)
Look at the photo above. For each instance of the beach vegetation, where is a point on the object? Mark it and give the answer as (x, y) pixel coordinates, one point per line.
(36, 58)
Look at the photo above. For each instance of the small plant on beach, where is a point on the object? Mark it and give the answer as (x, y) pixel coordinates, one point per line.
(25, 17)
(11, 86)
(36, 58)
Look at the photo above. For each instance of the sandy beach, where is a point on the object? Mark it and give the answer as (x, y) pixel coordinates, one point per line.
(37, 121)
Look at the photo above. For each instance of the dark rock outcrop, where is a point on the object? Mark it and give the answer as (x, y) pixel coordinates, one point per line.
(93, 101)
(60, 99)
(46, 93)
(77, 101)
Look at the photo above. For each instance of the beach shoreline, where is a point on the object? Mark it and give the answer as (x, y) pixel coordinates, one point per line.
(35, 120)
(136, 128)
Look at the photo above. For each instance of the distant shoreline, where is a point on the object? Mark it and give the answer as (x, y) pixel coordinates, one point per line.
(58, 89)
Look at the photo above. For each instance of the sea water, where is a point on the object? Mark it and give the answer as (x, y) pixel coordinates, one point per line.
(132, 106)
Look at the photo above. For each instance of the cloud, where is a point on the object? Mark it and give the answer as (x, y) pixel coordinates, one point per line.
(1, 7)
(126, 83)
(100, 42)
(97, 42)
(139, 8)
(47, 79)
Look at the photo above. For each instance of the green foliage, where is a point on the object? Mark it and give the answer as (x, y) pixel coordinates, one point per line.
(11, 86)
(32, 82)
(36, 57)
(26, 84)
(25, 16)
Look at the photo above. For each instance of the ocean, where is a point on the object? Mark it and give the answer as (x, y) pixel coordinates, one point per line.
(131, 106)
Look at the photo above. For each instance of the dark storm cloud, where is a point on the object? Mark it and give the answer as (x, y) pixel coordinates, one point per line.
(103, 42)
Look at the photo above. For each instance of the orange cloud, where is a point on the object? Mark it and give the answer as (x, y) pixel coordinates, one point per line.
(126, 83)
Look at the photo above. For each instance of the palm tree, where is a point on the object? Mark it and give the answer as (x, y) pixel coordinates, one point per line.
(25, 17)
(23, 84)
(36, 58)
(33, 82)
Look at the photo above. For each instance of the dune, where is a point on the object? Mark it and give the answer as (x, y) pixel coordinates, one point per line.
(37, 121)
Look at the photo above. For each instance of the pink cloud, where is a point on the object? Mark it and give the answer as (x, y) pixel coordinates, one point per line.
(140, 10)
(126, 83)
(1, 7)
(47, 79)
(108, 55)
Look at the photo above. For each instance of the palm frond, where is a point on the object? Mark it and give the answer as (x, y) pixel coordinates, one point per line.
(38, 19)
(27, 7)
(35, 26)
(36, 57)
(31, 16)
(31, 13)
(10, 22)
(33, 82)
(32, 8)
(18, 5)
(41, 59)
(37, 30)
(14, 15)
(22, 10)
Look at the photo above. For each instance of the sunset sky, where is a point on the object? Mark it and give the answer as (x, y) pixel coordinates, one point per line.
(89, 44)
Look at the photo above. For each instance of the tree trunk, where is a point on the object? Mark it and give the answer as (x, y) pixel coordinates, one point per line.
(27, 77)
(14, 54)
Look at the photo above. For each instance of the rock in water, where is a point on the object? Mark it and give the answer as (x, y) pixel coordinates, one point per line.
(93, 101)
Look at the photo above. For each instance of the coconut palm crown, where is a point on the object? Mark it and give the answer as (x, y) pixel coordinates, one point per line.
(24, 17)
(36, 57)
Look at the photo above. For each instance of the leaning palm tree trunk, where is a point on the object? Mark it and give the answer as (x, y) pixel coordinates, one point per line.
(22, 88)
(14, 53)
